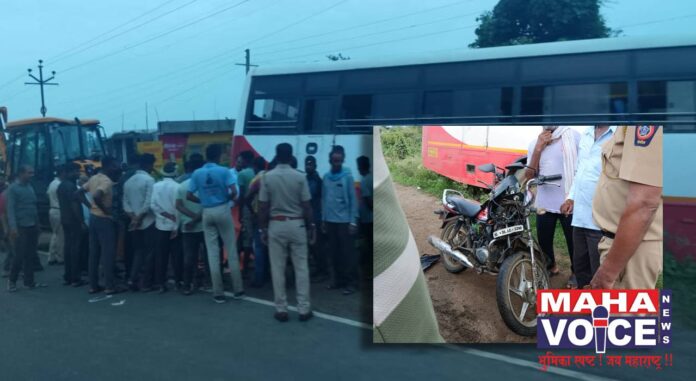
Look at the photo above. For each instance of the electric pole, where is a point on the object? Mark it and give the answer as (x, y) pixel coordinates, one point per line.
(41, 82)
(247, 61)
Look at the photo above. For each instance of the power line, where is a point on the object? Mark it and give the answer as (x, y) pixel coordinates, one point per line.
(11, 81)
(214, 65)
(369, 34)
(153, 92)
(128, 30)
(58, 57)
(129, 47)
(380, 21)
(378, 43)
(297, 22)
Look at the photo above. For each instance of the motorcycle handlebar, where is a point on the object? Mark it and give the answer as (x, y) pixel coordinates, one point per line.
(543, 179)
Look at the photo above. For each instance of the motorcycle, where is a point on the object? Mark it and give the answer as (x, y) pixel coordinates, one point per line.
(495, 237)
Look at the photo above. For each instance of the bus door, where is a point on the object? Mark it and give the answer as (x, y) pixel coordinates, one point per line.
(316, 137)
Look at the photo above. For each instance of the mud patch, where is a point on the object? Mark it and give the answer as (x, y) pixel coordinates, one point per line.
(464, 303)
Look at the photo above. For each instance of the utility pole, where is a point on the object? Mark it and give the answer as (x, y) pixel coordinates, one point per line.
(147, 119)
(41, 82)
(247, 61)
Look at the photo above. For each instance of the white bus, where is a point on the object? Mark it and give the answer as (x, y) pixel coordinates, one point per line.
(303, 106)
(616, 81)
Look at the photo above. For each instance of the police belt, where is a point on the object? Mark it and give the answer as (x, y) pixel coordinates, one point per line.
(285, 218)
(608, 234)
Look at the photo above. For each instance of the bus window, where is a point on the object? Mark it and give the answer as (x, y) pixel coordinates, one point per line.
(273, 115)
(603, 98)
(396, 105)
(318, 115)
(393, 78)
(483, 102)
(470, 73)
(322, 83)
(277, 84)
(667, 97)
(356, 106)
(437, 103)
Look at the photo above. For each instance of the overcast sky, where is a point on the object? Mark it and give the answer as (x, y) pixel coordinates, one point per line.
(114, 56)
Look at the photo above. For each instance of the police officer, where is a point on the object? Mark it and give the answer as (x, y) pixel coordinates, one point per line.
(285, 216)
(628, 209)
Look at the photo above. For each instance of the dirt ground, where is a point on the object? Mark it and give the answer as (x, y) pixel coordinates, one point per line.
(464, 303)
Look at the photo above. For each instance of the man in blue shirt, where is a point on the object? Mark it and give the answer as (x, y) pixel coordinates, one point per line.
(586, 234)
(215, 188)
(340, 221)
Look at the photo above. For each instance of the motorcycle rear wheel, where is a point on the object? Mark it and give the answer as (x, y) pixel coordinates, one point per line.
(515, 294)
(454, 239)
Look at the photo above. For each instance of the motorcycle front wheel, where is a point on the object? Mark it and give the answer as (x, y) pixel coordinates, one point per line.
(515, 293)
(455, 238)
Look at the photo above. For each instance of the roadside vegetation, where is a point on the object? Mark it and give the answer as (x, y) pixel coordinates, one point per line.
(402, 151)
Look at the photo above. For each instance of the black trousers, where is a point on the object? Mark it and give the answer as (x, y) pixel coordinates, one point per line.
(84, 252)
(102, 249)
(9, 249)
(546, 228)
(72, 245)
(143, 266)
(586, 255)
(319, 255)
(128, 252)
(25, 254)
(342, 246)
(164, 248)
(191, 243)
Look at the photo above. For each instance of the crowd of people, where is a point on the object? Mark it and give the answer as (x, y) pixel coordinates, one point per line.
(608, 203)
(131, 227)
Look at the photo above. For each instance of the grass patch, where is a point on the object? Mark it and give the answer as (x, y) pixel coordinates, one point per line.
(402, 151)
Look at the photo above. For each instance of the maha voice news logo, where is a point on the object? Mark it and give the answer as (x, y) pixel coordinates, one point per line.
(604, 319)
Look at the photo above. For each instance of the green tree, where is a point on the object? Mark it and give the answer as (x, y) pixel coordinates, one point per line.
(515, 22)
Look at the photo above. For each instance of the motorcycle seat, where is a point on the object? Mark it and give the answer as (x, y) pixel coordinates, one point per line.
(465, 207)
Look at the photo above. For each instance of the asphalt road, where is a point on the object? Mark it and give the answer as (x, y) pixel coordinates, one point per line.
(57, 334)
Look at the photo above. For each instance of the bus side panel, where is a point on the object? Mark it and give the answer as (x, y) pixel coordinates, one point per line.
(355, 145)
(456, 153)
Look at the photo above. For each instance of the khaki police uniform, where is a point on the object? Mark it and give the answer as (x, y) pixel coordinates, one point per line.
(285, 188)
(634, 154)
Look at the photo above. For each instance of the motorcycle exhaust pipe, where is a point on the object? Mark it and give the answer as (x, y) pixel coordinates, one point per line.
(447, 249)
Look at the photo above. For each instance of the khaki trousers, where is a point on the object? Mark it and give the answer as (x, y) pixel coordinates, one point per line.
(55, 248)
(217, 222)
(289, 238)
(642, 270)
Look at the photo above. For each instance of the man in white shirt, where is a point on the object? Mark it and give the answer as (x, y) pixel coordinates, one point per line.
(137, 193)
(163, 204)
(554, 152)
(586, 234)
(55, 248)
